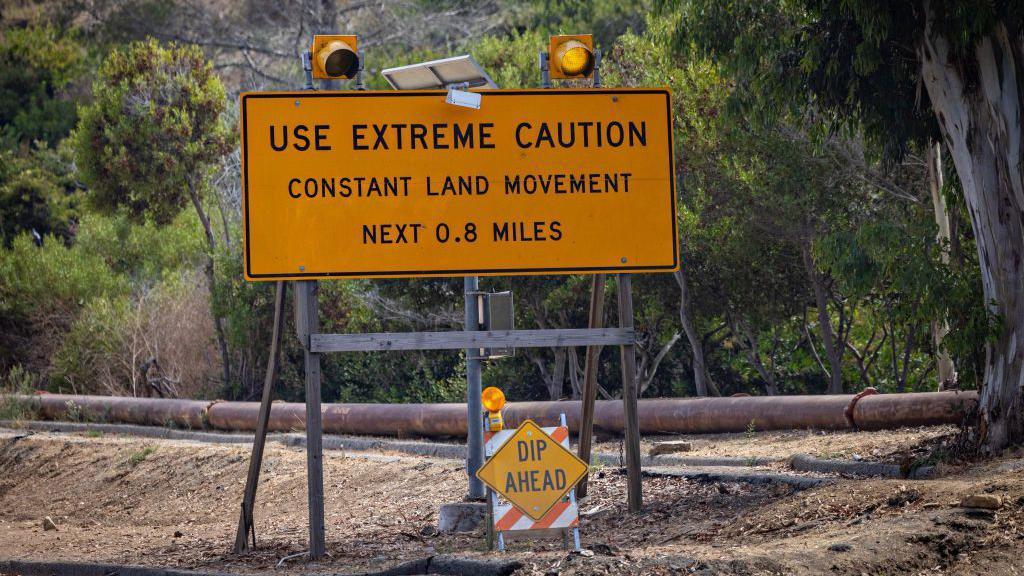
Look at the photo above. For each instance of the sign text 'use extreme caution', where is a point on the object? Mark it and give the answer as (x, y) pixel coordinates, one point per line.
(402, 184)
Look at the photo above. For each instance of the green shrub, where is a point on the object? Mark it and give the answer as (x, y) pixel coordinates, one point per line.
(37, 193)
(52, 278)
(17, 382)
(35, 65)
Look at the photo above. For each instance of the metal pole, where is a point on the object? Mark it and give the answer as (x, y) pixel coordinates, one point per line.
(307, 68)
(474, 405)
(545, 71)
(360, 85)
(572, 496)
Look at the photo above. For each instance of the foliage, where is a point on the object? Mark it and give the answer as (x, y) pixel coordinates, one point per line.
(19, 382)
(49, 279)
(138, 457)
(783, 114)
(38, 194)
(511, 61)
(64, 305)
(36, 65)
(153, 130)
(607, 20)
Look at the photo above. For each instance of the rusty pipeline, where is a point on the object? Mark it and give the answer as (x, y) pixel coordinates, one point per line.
(664, 415)
(121, 409)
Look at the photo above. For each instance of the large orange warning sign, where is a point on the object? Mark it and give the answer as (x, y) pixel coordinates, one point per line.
(402, 184)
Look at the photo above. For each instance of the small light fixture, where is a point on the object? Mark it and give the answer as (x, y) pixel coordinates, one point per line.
(571, 56)
(458, 96)
(334, 57)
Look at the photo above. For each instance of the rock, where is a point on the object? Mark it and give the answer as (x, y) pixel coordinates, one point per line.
(585, 553)
(980, 514)
(605, 549)
(670, 447)
(48, 524)
(428, 530)
(903, 497)
(178, 534)
(461, 517)
(840, 547)
(986, 501)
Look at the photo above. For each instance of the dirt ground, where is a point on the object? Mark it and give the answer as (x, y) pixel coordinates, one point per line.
(175, 504)
(877, 445)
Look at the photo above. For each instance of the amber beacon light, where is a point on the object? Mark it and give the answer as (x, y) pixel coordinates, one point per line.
(334, 57)
(493, 400)
(571, 56)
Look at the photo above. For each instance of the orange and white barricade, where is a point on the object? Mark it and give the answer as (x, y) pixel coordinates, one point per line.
(507, 518)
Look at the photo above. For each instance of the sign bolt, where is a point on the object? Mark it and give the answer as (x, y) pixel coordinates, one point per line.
(302, 268)
(296, 102)
(623, 260)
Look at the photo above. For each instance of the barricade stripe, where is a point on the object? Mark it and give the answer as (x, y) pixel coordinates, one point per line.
(569, 518)
(524, 523)
(552, 516)
(508, 520)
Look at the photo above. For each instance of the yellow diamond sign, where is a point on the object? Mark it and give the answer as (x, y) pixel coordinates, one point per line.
(532, 470)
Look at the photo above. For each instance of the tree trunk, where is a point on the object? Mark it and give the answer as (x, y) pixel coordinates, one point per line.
(649, 367)
(701, 379)
(978, 100)
(944, 369)
(211, 243)
(828, 338)
(557, 382)
(754, 355)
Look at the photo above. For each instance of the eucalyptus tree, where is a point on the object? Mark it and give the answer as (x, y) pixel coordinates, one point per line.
(908, 72)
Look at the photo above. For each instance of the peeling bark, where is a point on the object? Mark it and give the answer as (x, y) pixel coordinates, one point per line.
(945, 370)
(978, 99)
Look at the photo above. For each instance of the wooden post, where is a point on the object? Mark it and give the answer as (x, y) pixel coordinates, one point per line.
(245, 520)
(586, 433)
(308, 322)
(635, 496)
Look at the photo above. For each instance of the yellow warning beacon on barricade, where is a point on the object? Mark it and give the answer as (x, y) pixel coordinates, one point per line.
(493, 400)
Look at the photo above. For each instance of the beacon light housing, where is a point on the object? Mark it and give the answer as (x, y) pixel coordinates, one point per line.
(571, 56)
(334, 57)
(493, 399)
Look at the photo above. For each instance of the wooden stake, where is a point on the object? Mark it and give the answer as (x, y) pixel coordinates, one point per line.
(245, 520)
(306, 312)
(635, 495)
(586, 434)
